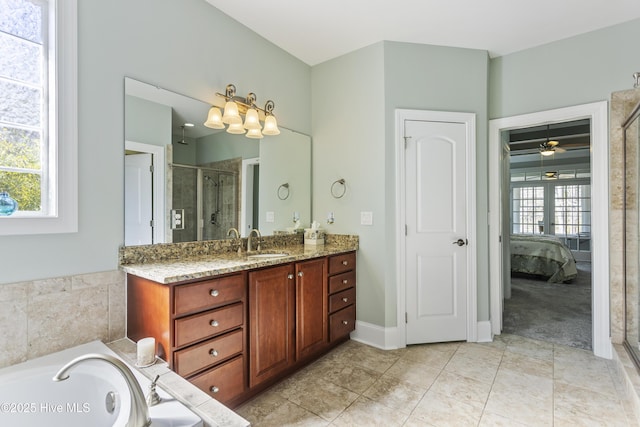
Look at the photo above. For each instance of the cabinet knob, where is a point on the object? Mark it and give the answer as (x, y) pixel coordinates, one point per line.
(345, 299)
(345, 262)
(214, 323)
(290, 276)
(214, 292)
(214, 389)
(345, 322)
(345, 281)
(213, 352)
(300, 274)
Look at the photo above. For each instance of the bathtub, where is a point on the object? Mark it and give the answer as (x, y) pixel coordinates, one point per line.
(95, 394)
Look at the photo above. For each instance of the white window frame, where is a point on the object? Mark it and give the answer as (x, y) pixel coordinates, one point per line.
(63, 151)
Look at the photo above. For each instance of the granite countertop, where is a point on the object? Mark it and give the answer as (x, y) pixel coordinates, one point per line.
(189, 268)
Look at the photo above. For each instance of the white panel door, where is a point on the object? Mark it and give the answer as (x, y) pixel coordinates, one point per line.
(138, 199)
(436, 233)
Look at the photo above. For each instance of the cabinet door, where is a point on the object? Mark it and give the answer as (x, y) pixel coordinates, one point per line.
(311, 307)
(272, 320)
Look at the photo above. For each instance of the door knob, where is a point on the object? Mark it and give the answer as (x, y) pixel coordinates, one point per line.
(461, 242)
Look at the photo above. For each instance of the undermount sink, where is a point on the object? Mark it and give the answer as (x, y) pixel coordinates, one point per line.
(268, 255)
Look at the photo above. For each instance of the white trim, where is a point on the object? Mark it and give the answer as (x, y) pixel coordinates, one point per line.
(376, 336)
(66, 164)
(159, 179)
(469, 119)
(484, 331)
(597, 112)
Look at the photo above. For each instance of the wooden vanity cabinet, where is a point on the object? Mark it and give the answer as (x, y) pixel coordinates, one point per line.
(272, 310)
(311, 307)
(200, 328)
(342, 295)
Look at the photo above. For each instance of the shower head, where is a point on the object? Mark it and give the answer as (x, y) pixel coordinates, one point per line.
(182, 141)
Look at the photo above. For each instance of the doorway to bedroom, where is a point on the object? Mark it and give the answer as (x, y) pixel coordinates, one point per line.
(548, 281)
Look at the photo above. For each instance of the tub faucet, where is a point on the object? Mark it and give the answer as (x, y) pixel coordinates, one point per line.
(250, 241)
(139, 414)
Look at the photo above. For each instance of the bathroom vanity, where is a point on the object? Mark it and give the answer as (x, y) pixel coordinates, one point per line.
(234, 325)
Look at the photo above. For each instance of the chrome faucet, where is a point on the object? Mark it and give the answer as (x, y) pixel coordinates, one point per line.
(235, 232)
(250, 241)
(139, 414)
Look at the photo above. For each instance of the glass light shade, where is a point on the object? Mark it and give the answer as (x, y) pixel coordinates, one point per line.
(214, 119)
(252, 121)
(270, 126)
(254, 133)
(547, 153)
(231, 115)
(236, 128)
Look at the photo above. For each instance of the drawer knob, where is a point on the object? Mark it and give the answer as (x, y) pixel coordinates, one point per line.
(213, 352)
(345, 262)
(214, 323)
(300, 274)
(214, 389)
(214, 292)
(290, 277)
(345, 281)
(345, 322)
(345, 299)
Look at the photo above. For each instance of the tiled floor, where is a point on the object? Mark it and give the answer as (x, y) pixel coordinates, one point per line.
(513, 381)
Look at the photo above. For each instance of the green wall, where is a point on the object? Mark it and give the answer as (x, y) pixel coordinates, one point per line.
(175, 45)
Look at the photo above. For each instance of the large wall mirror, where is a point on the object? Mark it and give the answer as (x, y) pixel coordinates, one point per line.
(187, 183)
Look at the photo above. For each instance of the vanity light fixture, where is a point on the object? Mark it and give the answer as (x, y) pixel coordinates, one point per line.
(236, 106)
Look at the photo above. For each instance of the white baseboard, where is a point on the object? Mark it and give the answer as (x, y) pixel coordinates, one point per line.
(376, 336)
(484, 331)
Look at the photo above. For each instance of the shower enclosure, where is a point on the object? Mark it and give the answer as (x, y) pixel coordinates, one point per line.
(206, 201)
(631, 230)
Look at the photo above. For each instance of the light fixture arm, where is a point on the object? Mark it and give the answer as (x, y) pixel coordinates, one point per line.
(248, 102)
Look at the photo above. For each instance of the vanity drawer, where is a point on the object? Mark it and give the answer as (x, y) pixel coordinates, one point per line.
(342, 322)
(200, 356)
(224, 382)
(210, 293)
(342, 263)
(342, 299)
(213, 322)
(342, 281)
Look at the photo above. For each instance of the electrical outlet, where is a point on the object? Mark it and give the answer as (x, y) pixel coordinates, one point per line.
(270, 216)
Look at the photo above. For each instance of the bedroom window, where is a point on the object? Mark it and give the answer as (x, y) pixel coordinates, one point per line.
(572, 215)
(528, 210)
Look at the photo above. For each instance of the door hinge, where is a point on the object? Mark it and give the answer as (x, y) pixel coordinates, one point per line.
(406, 317)
(151, 223)
(405, 141)
(406, 230)
(151, 168)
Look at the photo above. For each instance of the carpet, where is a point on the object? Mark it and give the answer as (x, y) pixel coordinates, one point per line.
(554, 312)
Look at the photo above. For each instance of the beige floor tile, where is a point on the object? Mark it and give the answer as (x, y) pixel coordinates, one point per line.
(395, 394)
(490, 419)
(433, 355)
(462, 388)
(587, 404)
(290, 414)
(369, 358)
(318, 396)
(528, 365)
(523, 386)
(592, 374)
(347, 375)
(366, 412)
(528, 411)
(415, 373)
(480, 365)
(529, 347)
(440, 410)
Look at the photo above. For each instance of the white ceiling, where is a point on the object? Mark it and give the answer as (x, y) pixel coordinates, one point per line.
(316, 31)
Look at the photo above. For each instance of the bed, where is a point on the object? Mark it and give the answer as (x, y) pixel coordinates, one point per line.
(542, 255)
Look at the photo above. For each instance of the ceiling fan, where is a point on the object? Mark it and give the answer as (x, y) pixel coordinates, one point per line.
(548, 148)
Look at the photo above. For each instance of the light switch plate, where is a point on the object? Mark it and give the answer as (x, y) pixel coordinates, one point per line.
(270, 216)
(366, 218)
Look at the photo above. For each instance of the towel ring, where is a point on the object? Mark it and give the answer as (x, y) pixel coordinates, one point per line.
(283, 191)
(336, 193)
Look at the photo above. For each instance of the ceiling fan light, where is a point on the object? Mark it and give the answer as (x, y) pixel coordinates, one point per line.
(547, 152)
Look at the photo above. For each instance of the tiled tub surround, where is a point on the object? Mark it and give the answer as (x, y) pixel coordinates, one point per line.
(44, 316)
(170, 263)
